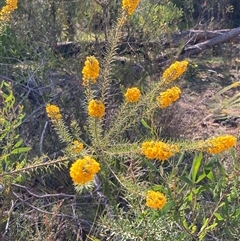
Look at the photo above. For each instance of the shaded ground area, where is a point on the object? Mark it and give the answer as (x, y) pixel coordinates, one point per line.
(199, 114)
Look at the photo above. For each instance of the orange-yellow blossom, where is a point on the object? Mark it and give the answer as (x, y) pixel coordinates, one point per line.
(96, 108)
(236, 84)
(219, 144)
(132, 94)
(158, 150)
(6, 10)
(130, 5)
(77, 147)
(90, 70)
(155, 200)
(175, 71)
(167, 97)
(53, 112)
(83, 170)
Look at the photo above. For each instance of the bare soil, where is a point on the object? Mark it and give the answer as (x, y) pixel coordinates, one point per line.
(199, 114)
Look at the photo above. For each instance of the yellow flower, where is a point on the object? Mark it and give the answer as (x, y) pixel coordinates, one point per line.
(155, 200)
(223, 111)
(53, 112)
(220, 144)
(6, 10)
(167, 97)
(158, 150)
(83, 170)
(77, 147)
(175, 71)
(236, 84)
(132, 94)
(96, 108)
(90, 70)
(130, 5)
(12, 4)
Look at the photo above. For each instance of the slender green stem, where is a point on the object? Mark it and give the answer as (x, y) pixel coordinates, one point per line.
(114, 39)
(212, 215)
(122, 122)
(96, 132)
(35, 166)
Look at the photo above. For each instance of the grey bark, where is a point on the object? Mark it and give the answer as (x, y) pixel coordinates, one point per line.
(221, 37)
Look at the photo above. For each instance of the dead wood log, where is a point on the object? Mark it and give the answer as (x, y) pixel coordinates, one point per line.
(221, 37)
(195, 36)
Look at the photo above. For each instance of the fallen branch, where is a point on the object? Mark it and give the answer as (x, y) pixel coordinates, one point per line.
(195, 36)
(222, 37)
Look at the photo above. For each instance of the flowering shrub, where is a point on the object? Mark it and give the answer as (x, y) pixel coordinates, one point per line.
(106, 143)
(141, 185)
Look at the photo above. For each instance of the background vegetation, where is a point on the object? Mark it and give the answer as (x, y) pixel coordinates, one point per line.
(42, 51)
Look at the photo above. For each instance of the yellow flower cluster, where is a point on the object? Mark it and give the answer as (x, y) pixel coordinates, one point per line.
(77, 147)
(175, 71)
(155, 200)
(132, 94)
(6, 11)
(219, 144)
(158, 150)
(130, 5)
(53, 112)
(83, 170)
(90, 70)
(167, 97)
(96, 108)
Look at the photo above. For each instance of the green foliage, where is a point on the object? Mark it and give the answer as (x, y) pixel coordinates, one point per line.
(208, 12)
(156, 20)
(203, 198)
(11, 148)
(203, 203)
(9, 45)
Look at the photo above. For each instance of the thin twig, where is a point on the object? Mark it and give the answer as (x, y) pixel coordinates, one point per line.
(51, 213)
(46, 195)
(41, 138)
(9, 216)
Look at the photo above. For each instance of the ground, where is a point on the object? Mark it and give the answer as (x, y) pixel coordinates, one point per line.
(200, 113)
